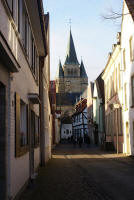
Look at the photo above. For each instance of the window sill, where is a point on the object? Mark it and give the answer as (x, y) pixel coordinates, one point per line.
(22, 151)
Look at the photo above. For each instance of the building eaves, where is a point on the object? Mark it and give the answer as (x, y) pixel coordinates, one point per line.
(110, 57)
(100, 87)
(41, 15)
(130, 5)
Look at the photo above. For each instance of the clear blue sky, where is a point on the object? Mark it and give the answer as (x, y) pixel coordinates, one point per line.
(93, 36)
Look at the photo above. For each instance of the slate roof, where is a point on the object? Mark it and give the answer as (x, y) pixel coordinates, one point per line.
(80, 106)
(71, 57)
(60, 73)
(130, 5)
(100, 87)
(83, 73)
(67, 99)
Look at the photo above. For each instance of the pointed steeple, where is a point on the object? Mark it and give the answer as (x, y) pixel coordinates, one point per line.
(60, 73)
(71, 57)
(83, 73)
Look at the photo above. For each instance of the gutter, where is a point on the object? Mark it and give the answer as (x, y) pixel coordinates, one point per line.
(41, 15)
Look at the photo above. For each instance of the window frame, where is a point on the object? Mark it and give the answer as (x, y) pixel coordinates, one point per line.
(26, 109)
(36, 142)
(19, 150)
(124, 59)
(132, 90)
(125, 91)
(131, 48)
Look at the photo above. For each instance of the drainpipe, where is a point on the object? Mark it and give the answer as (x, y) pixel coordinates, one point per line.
(41, 95)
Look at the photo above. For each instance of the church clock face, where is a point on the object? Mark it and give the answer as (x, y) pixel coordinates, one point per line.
(68, 86)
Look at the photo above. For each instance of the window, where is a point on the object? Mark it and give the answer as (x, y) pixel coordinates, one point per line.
(23, 28)
(75, 72)
(119, 78)
(21, 127)
(27, 38)
(19, 15)
(36, 135)
(131, 47)
(113, 84)
(71, 72)
(132, 83)
(27, 27)
(116, 81)
(23, 124)
(110, 86)
(67, 83)
(108, 89)
(120, 120)
(125, 91)
(124, 59)
(68, 72)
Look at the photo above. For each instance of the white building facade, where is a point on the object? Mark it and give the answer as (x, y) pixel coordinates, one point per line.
(22, 47)
(79, 118)
(127, 47)
(66, 131)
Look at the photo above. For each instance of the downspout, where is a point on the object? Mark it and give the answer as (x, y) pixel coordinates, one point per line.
(41, 95)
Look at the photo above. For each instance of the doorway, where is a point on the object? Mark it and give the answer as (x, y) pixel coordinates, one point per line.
(2, 141)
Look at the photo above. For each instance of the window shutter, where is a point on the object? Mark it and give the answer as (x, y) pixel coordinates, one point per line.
(17, 123)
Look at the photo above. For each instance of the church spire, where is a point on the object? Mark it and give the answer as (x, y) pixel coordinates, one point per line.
(60, 73)
(71, 57)
(83, 73)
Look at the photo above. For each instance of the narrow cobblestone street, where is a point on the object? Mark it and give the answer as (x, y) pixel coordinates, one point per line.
(83, 174)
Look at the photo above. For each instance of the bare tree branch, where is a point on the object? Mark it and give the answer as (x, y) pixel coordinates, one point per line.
(113, 15)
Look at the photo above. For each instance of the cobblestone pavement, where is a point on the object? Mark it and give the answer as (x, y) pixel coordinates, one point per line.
(83, 174)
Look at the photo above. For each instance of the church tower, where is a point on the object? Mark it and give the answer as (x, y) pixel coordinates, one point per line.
(71, 78)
